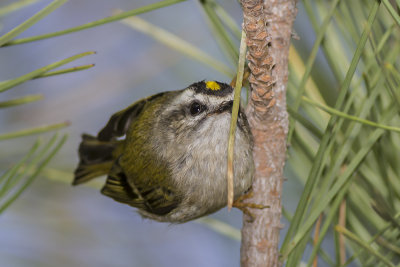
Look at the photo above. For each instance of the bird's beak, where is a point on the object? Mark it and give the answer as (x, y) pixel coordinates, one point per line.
(225, 106)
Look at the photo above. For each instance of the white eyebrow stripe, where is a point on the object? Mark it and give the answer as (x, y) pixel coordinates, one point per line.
(189, 95)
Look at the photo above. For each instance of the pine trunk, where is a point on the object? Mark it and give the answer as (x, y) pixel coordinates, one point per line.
(268, 26)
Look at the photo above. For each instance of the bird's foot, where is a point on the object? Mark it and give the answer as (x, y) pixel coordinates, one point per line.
(245, 206)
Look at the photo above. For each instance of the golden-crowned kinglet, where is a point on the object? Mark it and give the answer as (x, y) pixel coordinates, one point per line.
(167, 154)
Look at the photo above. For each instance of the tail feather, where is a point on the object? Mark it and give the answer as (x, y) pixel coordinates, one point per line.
(96, 158)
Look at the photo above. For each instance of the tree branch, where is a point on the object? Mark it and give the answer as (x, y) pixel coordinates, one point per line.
(268, 26)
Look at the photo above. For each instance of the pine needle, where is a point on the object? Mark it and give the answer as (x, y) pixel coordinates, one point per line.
(235, 111)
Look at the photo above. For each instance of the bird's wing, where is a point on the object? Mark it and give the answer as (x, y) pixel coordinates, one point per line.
(155, 199)
(120, 121)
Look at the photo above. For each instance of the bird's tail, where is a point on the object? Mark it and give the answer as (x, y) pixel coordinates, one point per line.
(96, 158)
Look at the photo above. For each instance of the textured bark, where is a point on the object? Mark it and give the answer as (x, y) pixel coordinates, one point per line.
(268, 26)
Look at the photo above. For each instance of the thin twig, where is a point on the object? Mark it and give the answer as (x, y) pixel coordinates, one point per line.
(342, 240)
(316, 237)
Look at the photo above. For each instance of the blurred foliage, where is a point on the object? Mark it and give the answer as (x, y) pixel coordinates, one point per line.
(344, 104)
(342, 162)
(16, 179)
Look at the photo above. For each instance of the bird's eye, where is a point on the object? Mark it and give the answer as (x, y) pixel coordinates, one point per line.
(196, 108)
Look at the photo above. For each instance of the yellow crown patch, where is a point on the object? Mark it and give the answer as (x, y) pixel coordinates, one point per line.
(212, 85)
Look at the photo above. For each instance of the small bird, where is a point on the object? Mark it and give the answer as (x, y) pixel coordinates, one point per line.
(166, 154)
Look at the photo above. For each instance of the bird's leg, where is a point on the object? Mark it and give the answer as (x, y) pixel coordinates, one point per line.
(245, 206)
